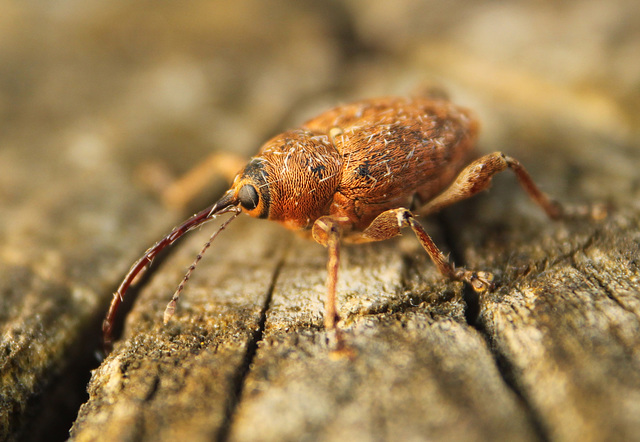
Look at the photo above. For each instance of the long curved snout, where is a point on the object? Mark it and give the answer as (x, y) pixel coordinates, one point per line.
(228, 203)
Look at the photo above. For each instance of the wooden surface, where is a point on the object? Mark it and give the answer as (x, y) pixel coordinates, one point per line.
(102, 117)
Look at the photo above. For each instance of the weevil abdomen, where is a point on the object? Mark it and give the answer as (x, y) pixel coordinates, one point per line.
(393, 150)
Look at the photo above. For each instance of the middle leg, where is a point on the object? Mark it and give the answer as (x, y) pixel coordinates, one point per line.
(389, 224)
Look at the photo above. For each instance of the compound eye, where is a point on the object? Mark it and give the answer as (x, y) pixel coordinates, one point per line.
(248, 196)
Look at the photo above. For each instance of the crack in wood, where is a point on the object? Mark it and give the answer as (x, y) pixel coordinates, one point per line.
(506, 370)
(237, 386)
(473, 318)
(593, 277)
(470, 297)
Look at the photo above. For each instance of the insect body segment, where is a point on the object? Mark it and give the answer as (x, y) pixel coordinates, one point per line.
(393, 149)
(352, 174)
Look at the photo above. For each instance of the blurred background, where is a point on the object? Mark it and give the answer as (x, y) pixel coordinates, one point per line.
(101, 81)
(103, 98)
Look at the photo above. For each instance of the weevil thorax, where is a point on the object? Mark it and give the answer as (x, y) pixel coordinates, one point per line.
(291, 180)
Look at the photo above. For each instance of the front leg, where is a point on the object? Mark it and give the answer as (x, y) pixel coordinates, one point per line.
(327, 231)
(388, 224)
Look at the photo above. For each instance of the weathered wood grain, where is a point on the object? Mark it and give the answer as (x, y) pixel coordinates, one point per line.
(57, 270)
(410, 376)
(567, 333)
(181, 379)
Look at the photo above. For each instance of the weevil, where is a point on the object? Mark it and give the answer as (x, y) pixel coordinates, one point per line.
(357, 173)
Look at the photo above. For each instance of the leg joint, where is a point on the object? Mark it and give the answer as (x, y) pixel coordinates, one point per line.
(403, 217)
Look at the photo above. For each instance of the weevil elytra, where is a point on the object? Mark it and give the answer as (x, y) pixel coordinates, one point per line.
(358, 173)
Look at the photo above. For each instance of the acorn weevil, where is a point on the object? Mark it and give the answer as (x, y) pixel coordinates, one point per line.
(357, 173)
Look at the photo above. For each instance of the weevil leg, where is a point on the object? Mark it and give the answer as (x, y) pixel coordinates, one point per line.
(186, 188)
(477, 176)
(389, 224)
(327, 231)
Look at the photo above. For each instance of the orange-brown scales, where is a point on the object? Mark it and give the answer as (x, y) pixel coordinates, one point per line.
(359, 160)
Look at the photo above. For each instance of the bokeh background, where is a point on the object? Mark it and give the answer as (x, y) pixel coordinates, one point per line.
(97, 80)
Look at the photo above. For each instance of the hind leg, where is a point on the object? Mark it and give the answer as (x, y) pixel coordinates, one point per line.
(477, 176)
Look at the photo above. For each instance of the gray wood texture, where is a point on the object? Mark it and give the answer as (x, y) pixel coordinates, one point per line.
(96, 126)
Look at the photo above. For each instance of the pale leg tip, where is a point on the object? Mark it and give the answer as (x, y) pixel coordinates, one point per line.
(168, 312)
(480, 281)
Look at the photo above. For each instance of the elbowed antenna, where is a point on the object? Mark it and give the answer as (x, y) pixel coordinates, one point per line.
(225, 204)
